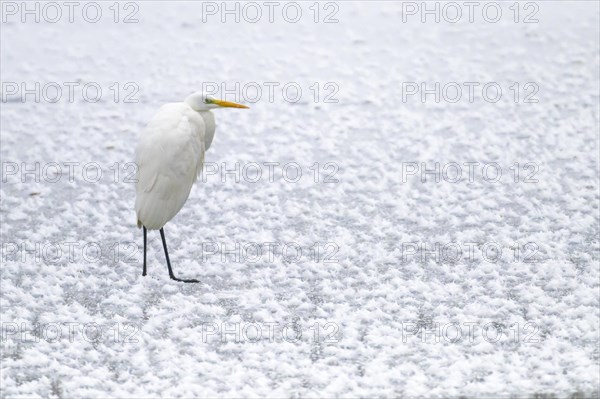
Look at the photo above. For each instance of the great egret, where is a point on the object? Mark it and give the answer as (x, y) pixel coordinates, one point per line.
(169, 157)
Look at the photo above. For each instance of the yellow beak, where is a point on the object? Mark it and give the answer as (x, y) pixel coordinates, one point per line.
(228, 104)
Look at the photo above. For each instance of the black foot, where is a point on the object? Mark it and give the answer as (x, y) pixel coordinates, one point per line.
(191, 280)
(144, 273)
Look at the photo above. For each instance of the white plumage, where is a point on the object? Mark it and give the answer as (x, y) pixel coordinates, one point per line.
(169, 157)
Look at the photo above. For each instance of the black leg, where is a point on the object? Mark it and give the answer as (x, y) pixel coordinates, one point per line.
(144, 270)
(162, 235)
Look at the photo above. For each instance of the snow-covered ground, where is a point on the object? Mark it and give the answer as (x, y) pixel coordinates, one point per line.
(407, 284)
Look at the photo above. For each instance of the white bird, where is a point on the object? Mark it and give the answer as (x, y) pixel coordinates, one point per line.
(169, 157)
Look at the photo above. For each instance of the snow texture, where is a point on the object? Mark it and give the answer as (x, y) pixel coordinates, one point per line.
(388, 310)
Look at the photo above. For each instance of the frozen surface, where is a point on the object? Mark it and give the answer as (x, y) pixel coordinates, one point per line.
(367, 303)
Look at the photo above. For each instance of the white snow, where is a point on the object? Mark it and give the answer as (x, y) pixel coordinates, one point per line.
(387, 319)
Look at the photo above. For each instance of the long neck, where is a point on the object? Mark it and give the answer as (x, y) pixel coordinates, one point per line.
(209, 124)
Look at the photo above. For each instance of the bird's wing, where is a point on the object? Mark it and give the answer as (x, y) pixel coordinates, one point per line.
(169, 157)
